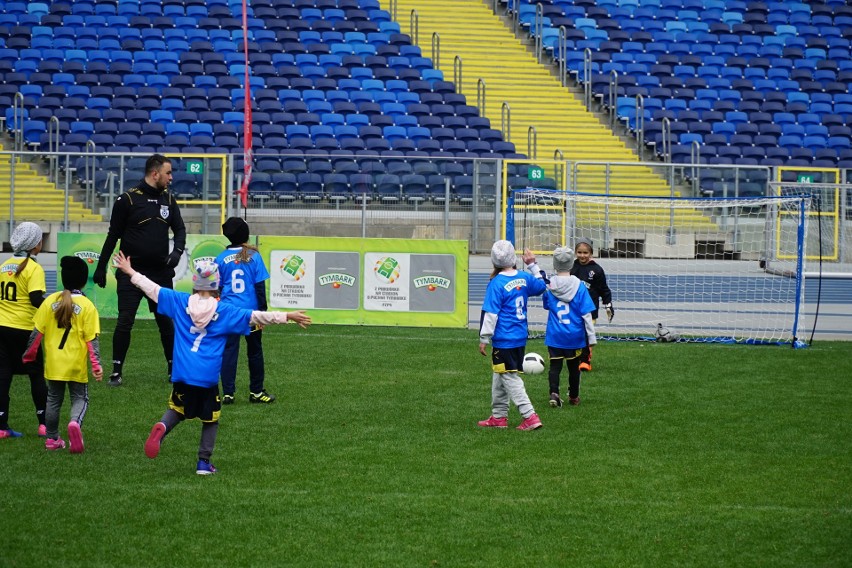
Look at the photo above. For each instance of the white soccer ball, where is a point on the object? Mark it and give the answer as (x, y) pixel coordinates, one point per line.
(533, 363)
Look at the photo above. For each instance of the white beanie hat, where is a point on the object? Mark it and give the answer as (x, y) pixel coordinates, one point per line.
(25, 237)
(563, 259)
(503, 254)
(206, 276)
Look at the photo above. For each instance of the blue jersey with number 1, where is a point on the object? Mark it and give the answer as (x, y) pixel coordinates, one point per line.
(238, 278)
(198, 352)
(507, 297)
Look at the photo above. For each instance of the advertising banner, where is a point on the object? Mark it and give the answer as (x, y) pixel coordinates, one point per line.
(369, 281)
(404, 282)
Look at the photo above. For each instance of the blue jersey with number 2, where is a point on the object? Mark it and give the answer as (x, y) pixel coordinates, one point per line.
(198, 352)
(507, 297)
(565, 327)
(238, 278)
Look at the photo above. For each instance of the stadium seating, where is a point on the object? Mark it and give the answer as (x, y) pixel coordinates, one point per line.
(720, 65)
(327, 76)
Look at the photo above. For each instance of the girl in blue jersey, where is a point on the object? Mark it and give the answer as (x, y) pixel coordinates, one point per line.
(570, 328)
(202, 325)
(243, 284)
(504, 324)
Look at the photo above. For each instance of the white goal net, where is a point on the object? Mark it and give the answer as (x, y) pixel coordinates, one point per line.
(707, 269)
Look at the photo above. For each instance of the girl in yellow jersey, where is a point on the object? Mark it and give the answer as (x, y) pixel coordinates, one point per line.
(69, 325)
(22, 290)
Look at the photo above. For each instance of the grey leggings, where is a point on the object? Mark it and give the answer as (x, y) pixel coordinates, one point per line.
(208, 432)
(56, 395)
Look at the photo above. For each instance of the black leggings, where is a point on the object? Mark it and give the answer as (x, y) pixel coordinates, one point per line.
(129, 297)
(13, 343)
(573, 375)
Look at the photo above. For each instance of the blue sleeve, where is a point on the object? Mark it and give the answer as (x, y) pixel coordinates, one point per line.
(584, 300)
(261, 273)
(236, 320)
(493, 301)
(536, 286)
(548, 300)
(166, 302)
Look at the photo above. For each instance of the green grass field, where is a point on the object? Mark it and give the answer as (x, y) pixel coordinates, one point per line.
(680, 454)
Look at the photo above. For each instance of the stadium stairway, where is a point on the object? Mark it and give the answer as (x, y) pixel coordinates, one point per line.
(490, 51)
(36, 199)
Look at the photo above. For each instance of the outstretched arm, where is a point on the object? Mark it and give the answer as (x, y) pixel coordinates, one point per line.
(149, 288)
(269, 318)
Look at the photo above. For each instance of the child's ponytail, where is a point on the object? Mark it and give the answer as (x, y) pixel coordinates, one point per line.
(22, 264)
(64, 310)
(245, 253)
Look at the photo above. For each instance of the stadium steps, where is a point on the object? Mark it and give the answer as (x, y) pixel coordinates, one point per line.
(489, 50)
(36, 199)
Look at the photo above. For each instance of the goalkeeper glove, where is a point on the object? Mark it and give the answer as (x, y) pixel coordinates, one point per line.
(610, 311)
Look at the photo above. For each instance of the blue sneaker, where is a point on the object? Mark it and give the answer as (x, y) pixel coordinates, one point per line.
(204, 467)
(9, 433)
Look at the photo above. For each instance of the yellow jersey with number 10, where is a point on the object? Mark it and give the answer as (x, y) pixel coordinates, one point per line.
(16, 310)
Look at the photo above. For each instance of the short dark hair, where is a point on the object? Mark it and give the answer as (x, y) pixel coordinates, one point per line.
(155, 162)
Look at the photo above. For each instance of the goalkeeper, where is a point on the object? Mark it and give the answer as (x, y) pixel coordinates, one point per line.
(593, 276)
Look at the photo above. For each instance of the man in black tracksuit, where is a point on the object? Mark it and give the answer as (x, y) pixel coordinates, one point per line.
(141, 219)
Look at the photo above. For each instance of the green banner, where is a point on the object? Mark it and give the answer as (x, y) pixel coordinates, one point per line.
(417, 283)
(88, 247)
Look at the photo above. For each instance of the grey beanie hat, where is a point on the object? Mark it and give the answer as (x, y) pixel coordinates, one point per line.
(584, 241)
(503, 254)
(25, 237)
(206, 276)
(563, 259)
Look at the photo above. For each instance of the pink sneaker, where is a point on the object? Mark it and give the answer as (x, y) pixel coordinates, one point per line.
(42, 431)
(75, 436)
(530, 423)
(493, 422)
(57, 444)
(152, 444)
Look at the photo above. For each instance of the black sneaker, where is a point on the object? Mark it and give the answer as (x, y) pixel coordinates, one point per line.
(114, 380)
(555, 401)
(227, 399)
(261, 397)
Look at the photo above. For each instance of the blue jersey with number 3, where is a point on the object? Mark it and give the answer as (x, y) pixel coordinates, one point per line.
(238, 278)
(507, 297)
(565, 327)
(198, 352)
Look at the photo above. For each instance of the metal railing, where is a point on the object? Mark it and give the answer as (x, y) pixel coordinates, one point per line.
(532, 142)
(457, 73)
(414, 27)
(480, 96)
(563, 55)
(538, 28)
(666, 141)
(613, 98)
(506, 121)
(587, 78)
(436, 50)
(640, 126)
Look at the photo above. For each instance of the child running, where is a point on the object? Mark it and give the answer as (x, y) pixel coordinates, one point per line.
(504, 324)
(593, 276)
(202, 325)
(243, 284)
(22, 288)
(69, 324)
(569, 324)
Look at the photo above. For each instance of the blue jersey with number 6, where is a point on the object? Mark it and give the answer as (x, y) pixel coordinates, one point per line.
(565, 327)
(238, 278)
(507, 296)
(198, 352)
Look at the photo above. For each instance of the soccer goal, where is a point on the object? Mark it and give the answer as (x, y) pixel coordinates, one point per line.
(708, 269)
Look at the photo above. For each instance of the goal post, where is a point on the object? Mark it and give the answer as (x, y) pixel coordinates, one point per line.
(711, 269)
